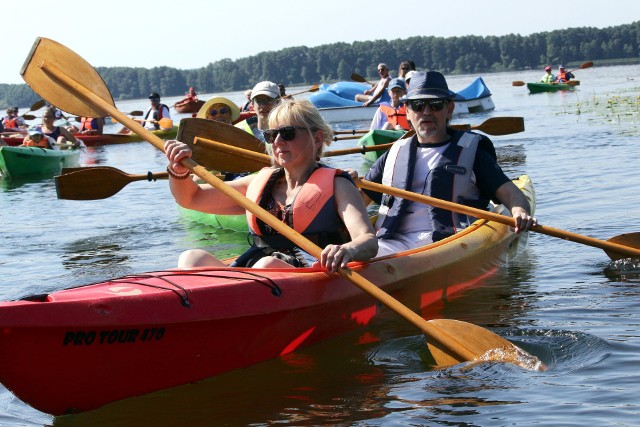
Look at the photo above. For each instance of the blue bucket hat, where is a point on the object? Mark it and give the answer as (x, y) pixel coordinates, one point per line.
(397, 83)
(431, 84)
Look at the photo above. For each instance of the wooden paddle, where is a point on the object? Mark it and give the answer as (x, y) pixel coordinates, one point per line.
(582, 66)
(358, 78)
(491, 126)
(625, 245)
(53, 70)
(98, 182)
(313, 88)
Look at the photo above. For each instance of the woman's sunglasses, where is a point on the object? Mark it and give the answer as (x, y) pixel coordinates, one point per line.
(286, 132)
(213, 112)
(436, 104)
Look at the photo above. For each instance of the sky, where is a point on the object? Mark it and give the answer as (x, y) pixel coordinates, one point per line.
(190, 34)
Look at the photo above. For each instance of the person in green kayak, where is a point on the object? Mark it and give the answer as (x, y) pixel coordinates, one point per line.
(564, 76)
(320, 202)
(548, 77)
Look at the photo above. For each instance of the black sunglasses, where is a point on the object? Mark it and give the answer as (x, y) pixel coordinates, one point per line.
(213, 112)
(435, 104)
(286, 132)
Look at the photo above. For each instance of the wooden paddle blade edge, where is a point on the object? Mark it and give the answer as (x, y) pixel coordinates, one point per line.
(627, 239)
(486, 345)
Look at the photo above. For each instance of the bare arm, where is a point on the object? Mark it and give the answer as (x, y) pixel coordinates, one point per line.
(203, 197)
(517, 203)
(364, 244)
(380, 88)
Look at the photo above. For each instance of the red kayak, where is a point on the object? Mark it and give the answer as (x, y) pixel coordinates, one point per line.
(78, 349)
(104, 139)
(188, 106)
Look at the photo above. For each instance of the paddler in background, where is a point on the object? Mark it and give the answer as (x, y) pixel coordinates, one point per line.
(392, 115)
(548, 77)
(37, 138)
(564, 76)
(219, 109)
(264, 97)
(376, 92)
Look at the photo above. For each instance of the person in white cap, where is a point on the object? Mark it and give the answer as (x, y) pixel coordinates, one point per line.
(564, 76)
(439, 162)
(264, 97)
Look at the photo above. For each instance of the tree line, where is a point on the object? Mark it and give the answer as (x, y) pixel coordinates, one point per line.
(337, 61)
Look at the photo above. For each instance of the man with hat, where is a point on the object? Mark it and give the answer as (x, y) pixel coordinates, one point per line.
(564, 76)
(548, 76)
(155, 113)
(264, 97)
(440, 162)
(392, 115)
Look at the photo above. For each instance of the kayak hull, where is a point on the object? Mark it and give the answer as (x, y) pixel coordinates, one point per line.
(78, 349)
(378, 137)
(188, 106)
(228, 222)
(547, 87)
(18, 162)
(105, 138)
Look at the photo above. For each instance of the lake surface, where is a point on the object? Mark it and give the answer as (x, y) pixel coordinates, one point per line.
(565, 302)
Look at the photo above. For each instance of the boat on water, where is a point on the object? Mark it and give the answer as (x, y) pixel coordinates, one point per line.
(378, 137)
(188, 106)
(77, 349)
(540, 87)
(18, 162)
(336, 101)
(103, 139)
(228, 222)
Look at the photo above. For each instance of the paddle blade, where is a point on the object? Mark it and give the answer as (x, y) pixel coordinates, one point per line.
(586, 65)
(484, 344)
(627, 239)
(92, 183)
(58, 56)
(501, 125)
(28, 116)
(38, 105)
(190, 128)
(518, 83)
(573, 82)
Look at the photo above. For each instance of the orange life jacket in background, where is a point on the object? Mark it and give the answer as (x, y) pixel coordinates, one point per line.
(396, 117)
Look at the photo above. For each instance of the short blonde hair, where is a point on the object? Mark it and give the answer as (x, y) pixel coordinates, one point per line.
(303, 113)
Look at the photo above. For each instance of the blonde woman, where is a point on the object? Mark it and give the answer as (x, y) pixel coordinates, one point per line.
(337, 219)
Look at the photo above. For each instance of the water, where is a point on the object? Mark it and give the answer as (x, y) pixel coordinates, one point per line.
(565, 302)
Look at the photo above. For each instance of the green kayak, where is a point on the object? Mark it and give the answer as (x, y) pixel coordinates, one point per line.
(378, 137)
(548, 87)
(29, 161)
(228, 222)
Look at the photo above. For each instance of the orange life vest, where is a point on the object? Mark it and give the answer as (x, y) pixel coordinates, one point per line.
(11, 123)
(88, 123)
(396, 117)
(313, 207)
